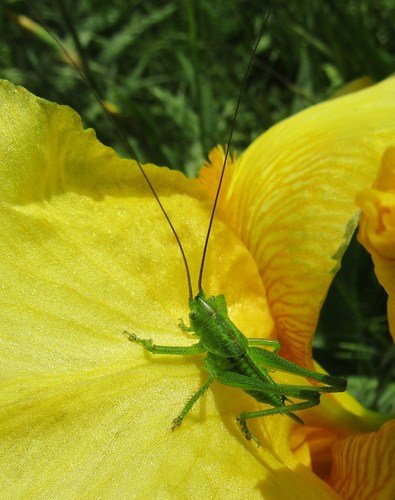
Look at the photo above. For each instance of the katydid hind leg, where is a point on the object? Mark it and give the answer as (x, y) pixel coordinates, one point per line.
(273, 344)
(272, 361)
(287, 410)
(247, 383)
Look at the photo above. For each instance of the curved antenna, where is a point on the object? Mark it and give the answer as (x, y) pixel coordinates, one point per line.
(243, 87)
(121, 135)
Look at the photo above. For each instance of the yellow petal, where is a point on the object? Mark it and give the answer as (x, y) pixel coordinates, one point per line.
(84, 254)
(291, 198)
(363, 466)
(336, 417)
(377, 228)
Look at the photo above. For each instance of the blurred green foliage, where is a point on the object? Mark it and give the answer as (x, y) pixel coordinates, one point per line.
(173, 71)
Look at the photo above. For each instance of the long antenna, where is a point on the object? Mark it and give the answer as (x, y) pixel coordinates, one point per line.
(243, 87)
(120, 133)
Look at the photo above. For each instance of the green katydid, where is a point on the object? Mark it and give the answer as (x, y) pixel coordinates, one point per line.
(231, 358)
(237, 361)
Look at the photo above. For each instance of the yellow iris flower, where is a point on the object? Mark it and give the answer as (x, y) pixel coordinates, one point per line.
(377, 229)
(85, 254)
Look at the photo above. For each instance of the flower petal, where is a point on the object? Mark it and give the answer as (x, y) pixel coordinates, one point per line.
(84, 254)
(108, 435)
(377, 228)
(290, 197)
(336, 417)
(363, 466)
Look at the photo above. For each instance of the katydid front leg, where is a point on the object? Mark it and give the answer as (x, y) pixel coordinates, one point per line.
(271, 411)
(181, 324)
(165, 349)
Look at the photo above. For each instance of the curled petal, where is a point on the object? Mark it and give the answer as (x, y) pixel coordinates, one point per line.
(363, 466)
(377, 228)
(291, 198)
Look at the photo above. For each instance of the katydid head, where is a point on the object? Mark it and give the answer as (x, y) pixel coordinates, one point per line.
(202, 308)
(198, 311)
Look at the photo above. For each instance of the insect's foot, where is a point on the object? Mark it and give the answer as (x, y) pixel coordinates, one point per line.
(256, 440)
(244, 428)
(247, 433)
(131, 336)
(176, 423)
(146, 343)
(183, 326)
(251, 437)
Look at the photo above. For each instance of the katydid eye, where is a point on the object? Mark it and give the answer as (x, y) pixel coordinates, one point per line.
(193, 315)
